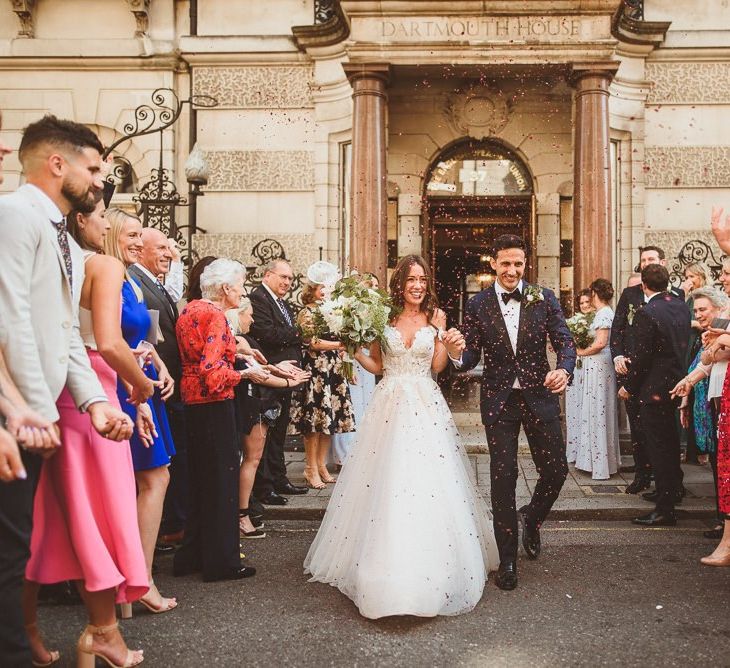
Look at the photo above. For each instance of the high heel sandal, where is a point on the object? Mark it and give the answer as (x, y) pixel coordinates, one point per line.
(87, 656)
(167, 603)
(256, 533)
(716, 561)
(54, 654)
(312, 482)
(326, 476)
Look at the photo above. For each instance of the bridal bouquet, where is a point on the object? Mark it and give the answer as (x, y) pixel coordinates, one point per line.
(355, 314)
(580, 327)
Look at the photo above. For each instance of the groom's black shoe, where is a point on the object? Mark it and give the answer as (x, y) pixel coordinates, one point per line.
(656, 519)
(506, 577)
(530, 537)
(638, 485)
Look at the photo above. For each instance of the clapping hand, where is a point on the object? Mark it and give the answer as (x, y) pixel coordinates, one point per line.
(255, 374)
(681, 389)
(287, 369)
(139, 394)
(166, 384)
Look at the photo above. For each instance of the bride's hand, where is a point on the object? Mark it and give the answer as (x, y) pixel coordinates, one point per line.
(439, 319)
(454, 341)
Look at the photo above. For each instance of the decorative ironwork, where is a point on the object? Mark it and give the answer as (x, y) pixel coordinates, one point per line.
(158, 199)
(695, 251)
(264, 252)
(324, 10)
(634, 9)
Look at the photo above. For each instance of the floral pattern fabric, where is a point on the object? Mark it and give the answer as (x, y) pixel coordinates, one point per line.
(324, 404)
(207, 352)
(723, 450)
(704, 430)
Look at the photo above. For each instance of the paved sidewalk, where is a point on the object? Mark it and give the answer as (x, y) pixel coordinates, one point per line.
(580, 499)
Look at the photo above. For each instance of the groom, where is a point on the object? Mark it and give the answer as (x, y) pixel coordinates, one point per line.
(511, 321)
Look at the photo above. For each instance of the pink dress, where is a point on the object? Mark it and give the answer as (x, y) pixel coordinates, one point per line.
(85, 512)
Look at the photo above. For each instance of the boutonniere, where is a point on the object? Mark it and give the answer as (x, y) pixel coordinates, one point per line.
(630, 315)
(532, 294)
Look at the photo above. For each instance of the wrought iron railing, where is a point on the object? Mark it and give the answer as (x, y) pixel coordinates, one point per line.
(692, 252)
(324, 10)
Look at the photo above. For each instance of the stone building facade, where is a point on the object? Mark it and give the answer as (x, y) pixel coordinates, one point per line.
(359, 131)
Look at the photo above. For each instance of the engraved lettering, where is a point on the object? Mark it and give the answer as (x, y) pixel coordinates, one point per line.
(388, 28)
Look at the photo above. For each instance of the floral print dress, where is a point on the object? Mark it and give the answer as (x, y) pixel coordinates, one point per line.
(323, 405)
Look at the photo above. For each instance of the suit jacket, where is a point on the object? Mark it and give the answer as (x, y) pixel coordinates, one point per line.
(44, 351)
(278, 339)
(485, 330)
(160, 301)
(662, 329)
(622, 341)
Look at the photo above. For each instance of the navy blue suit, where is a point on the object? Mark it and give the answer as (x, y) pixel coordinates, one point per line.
(533, 406)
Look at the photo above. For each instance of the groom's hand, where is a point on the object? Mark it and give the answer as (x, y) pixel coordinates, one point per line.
(556, 381)
(454, 341)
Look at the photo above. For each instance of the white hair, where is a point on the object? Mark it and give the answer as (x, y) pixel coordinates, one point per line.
(218, 273)
(713, 295)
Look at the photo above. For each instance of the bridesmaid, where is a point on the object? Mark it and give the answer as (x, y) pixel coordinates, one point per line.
(151, 460)
(85, 514)
(574, 391)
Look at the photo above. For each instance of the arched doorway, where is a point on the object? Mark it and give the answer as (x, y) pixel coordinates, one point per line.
(474, 191)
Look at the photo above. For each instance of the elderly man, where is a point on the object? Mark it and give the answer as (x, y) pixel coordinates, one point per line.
(43, 271)
(275, 330)
(156, 260)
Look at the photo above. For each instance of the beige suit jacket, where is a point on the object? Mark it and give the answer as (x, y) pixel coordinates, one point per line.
(43, 349)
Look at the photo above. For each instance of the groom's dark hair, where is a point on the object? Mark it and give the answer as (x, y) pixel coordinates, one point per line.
(655, 277)
(507, 241)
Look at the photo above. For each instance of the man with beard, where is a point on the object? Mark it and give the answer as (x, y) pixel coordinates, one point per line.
(42, 275)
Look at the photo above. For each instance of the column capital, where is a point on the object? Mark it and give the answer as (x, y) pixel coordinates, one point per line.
(604, 70)
(377, 71)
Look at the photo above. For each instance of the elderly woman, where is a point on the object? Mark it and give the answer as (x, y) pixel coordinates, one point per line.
(702, 387)
(208, 353)
(256, 408)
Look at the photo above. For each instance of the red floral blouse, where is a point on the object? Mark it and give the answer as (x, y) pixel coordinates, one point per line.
(207, 351)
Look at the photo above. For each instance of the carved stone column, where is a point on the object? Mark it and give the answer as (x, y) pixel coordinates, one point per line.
(592, 221)
(368, 230)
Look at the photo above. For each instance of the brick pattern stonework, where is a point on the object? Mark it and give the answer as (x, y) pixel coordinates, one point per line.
(688, 83)
(262, 171)
(256, 87)
(687, 166)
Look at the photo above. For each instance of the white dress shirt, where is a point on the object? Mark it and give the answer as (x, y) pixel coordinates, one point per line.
(511, 314)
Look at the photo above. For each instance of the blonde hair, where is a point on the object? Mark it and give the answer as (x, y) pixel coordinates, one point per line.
(700, 269)
(308, 293)
(116, 218)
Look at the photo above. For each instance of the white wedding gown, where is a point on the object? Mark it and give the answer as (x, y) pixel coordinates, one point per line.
(406, 532)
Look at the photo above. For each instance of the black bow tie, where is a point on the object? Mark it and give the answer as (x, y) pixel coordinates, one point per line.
(515, 294)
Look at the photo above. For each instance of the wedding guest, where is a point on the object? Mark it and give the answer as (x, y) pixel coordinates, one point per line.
(151, 459)
(361, 391)
(633, 279)
(39, 299)
(622, 350)
(257, 406)
(155, 260)
(193, 291)
(574, 391)
(207, 352)
(174, 278)
(324, 407)
(598, 446)
(657, 363)
(94, 542)
(275, 330)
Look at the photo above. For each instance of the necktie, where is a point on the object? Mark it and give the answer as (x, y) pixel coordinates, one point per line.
(165, 295)
(65, 249)
(284, 312)
(515, 294)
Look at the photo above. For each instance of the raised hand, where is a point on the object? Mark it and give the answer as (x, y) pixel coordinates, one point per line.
(720, 228)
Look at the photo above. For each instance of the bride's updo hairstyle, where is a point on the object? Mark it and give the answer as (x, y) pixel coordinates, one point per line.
(398, 285)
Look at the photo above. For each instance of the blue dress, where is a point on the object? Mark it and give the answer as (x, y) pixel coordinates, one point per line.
(135, 326)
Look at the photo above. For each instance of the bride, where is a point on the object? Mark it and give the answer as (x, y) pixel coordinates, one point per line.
(406, 532)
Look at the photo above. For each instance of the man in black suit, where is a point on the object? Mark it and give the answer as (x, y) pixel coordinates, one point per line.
(155, 261)
(658, 363)
(622, 350)
(511, 321)
(275, 330)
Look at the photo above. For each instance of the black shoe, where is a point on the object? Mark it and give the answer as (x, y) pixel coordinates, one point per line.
(257, 521)
(164, 548)
(713, 534)
(638, 485)
(627, 469)
(238, 574)
(530, 537)
(506, 577)
(255, 507)
(288, 488)
(256, 533)
(656, 519)
(652, 496)
(274, 499)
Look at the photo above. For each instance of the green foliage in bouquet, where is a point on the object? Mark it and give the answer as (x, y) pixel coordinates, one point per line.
(580, 327)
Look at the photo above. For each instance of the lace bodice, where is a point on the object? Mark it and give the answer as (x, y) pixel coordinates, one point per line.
(414, 361)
